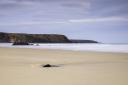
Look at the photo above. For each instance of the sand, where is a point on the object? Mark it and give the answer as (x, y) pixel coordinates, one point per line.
(20, 66)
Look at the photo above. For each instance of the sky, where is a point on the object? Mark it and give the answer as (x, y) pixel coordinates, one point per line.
(101, 20)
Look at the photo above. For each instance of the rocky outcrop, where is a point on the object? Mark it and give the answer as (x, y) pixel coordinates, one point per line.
(83, 41)
(4, 37)
(49, 65)
(20, 43)
(33, 38)
(21, 39)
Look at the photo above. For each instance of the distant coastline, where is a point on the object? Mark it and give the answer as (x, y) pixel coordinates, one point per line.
(38, 38)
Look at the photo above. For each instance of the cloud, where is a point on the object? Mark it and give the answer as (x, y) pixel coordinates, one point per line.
(104, 19)
(72, 21)
(84, 4)
(9, 6)
(42, 1)
(25, 23)
(106, 8)
(39, 10)
(62, 9)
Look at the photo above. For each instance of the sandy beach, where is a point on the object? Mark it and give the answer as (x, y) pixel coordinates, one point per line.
(22, 66)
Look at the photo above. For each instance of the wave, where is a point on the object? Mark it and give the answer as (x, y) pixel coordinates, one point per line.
(123, 48)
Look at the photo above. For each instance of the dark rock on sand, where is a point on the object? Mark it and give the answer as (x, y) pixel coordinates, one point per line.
(48, 65)
(20, 43)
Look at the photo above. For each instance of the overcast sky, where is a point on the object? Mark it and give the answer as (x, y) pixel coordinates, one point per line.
(101, 20)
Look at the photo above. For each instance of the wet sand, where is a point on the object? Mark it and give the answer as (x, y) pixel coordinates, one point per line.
(20, 66)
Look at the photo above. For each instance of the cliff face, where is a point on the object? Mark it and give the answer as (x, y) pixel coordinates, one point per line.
(33, 38)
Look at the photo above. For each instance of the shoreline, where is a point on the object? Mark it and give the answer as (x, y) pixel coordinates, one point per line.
(106, 48)
(79, 51)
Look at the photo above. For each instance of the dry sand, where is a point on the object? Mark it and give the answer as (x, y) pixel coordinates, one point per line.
(20, 66)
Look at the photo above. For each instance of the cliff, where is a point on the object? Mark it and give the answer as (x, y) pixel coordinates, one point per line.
(83, 41)
(38, 38)
(33, 38)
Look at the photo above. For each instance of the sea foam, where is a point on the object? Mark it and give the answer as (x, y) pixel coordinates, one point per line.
(123, 48)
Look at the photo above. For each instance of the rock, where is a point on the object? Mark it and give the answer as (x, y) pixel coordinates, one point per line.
(20, 43)
(47, 65)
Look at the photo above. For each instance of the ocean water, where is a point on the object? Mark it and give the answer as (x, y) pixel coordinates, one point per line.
(122, 48)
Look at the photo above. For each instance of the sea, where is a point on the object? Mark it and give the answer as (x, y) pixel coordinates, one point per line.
(97, 47)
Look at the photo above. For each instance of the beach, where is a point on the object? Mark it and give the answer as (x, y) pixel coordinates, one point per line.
(23, 66)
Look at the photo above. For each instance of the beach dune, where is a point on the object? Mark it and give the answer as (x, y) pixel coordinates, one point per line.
(20, 66)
